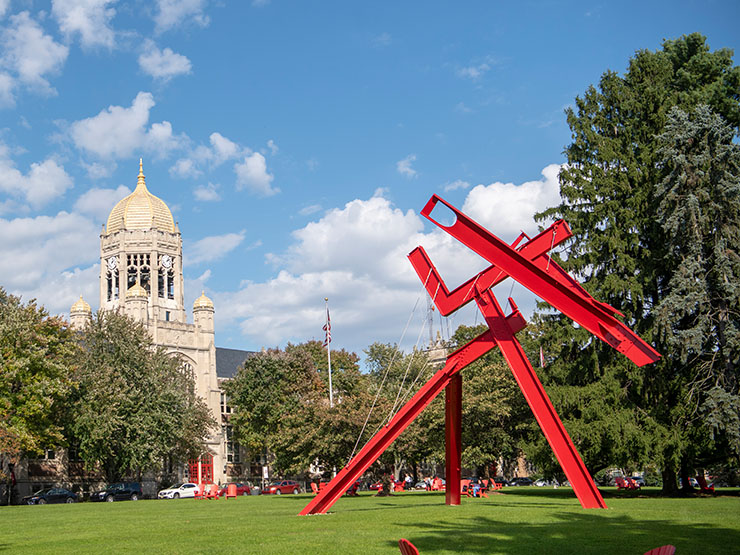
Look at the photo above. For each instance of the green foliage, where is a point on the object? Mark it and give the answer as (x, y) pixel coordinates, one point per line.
(135, 405)
(626, 195)
(36, 352)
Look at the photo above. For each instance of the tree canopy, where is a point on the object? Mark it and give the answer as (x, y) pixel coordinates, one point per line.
(624, 190)
(134, 404)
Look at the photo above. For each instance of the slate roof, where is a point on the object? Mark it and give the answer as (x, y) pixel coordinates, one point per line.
(229, 360)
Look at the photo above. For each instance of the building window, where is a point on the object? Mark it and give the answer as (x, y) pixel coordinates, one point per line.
(232, 447)
(187, 370)
(166, 315)
(225, 408)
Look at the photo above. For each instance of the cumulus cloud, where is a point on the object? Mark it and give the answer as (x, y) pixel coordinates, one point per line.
(207, 193)
(44, 181)
(4, 5)
(252, 174)
(174, 13)
(162, 64)
(404, 166)
(220, 150)
(357, 256)
(117, 132)
(98, 202)
(212, 248)
(509, 208)
(53, 258)
(30, 54)
(88, 18)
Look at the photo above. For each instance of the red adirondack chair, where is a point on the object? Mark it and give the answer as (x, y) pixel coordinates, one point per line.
(662, 550)
(213, 492)
(198, 493)
(407, 548)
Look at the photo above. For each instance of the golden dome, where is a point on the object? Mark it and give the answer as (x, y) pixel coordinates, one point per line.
(140, 210)
(203, 302)
(80, 306)
(136, 290)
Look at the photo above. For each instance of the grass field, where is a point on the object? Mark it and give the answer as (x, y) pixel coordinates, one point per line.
(519, 520)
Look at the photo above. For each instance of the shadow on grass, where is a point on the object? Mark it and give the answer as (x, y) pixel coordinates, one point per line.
(571, 532)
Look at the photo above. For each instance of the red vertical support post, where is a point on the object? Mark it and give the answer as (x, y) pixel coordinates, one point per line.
(453, 432)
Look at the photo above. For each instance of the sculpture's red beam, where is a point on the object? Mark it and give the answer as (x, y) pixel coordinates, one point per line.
(537, 399)
(387, 435)
(556, 286)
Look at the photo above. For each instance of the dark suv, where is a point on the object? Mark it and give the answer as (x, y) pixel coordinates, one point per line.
(119, 491)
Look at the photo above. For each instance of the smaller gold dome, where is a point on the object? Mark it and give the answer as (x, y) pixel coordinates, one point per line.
(203, 302)
(80, 306)
(136, 290)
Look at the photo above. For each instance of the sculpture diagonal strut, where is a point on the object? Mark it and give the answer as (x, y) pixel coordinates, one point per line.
(529, 265)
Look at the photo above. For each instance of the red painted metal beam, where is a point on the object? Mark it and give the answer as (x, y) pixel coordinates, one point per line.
(447, 301)
(569, 298)
(539, 402)
(453, 434)
(456, 361)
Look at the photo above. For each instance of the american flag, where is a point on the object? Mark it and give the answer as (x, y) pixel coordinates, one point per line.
(327, 328)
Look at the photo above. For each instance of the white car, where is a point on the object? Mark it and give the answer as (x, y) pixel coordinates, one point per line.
(179, 491)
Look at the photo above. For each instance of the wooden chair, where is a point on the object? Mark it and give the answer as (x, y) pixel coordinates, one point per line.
(407, 548)
(314, 488)
(662, 550)
(213, 492)
(198, 493)
(397, 486)
(230, 491)
(493, 486)
(465, 487)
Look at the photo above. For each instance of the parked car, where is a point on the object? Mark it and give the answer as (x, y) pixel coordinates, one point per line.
(119, 491)
(521, 482)
(283, 486)
(241, 489)
(421, 485)
(50, 495)
(178, 491)
(542, 482)
(639, 480)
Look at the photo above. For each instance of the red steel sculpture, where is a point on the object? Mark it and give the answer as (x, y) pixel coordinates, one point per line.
(530, 265)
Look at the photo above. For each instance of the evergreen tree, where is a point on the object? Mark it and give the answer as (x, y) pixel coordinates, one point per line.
(698, 316)
(610, 198)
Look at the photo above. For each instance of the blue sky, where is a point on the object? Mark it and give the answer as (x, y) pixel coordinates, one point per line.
(296, 142)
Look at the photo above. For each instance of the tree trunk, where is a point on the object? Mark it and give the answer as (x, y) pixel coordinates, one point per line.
(669, 481)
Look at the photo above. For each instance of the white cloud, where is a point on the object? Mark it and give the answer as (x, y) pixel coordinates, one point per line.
(223, 149)
(455, 185)
(4, 5)
(30, 53)
(212, 248)
(508, 208)
(272, 146)
(308, 210)
(252, 174)
(90, 18)
(357, 256)
(473, 72)
(44, 182)
(404, 166)
(99, 202)
(174, 13)
(185, 167)
(117, 132)
(207, 193)
(7, 84)
(162, 64)
(51, 258)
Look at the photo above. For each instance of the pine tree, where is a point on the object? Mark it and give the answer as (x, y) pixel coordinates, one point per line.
(610, 197)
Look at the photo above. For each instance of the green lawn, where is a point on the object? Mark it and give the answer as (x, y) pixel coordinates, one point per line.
(519, 520)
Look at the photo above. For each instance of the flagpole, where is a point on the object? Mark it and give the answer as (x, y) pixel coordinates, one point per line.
(328, 352)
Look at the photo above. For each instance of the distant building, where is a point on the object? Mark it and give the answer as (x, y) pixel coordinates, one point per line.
(141, 276)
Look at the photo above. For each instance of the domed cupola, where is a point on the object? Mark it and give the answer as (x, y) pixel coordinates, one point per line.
(140, 210)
